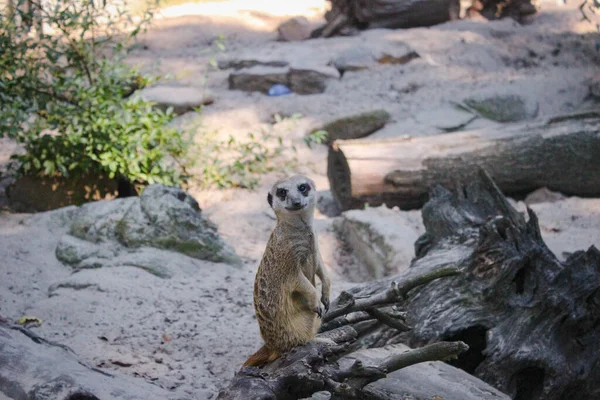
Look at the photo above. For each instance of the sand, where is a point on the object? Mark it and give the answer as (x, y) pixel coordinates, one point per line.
(192, 332)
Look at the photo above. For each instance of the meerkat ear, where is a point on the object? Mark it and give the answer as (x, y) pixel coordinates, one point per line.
(270, 199)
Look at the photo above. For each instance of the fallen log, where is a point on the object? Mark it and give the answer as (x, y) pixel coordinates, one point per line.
(393, 14)
(562, 154)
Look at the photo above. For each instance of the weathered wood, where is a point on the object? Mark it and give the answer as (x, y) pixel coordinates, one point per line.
(562, 154)
(326, 367)
(387, 14)
(532, 322)
(496, 9)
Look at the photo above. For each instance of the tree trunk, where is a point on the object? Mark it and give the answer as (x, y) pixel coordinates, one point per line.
(391, 14)
(532, 323)
(562, 155)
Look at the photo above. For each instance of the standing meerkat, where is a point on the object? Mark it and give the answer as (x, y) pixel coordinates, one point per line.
(287, 303)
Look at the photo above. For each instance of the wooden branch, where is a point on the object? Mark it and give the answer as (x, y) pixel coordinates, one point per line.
(334, 26)
(388, 320)
(441, 351)
(346, 320)
(348, 303)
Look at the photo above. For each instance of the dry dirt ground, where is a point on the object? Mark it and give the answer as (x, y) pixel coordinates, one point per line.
(192, 332)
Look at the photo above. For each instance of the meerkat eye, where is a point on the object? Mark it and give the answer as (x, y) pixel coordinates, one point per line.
(303, 188)
(281, 193)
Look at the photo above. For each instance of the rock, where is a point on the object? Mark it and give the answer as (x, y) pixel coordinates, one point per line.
(33, 368)
(96, 222)
(299, 80)
(502, 108)
(72, 250)
(293, 29)
(363, 57)
(129, 231)
(310, 81)
(241, 64)
(543, 195)
(430, 381)
(354, 59)
(169, 218)
(448, 119)
(356, 126)
(258, 79)
(181, 98)
(381, 238)
(390, 58)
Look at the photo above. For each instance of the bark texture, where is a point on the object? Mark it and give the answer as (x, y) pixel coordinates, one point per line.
(532, 323)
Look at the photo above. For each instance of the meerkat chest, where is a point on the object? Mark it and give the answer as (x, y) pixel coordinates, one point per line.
(301, 251)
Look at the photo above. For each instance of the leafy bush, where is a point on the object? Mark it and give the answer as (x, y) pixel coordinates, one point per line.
(63, 95)
(240, 163)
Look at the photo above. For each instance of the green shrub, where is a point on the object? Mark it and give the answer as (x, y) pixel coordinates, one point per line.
(64, 96)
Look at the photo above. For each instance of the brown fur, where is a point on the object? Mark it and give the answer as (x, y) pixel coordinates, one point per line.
(286, 300)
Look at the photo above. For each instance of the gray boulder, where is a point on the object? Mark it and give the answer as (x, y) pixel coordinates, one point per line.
(170, 219)
(32, 368)
(124, 232)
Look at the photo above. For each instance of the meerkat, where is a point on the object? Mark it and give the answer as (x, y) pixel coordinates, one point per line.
(287, 303)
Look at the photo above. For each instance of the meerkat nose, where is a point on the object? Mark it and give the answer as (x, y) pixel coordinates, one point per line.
(297, 203)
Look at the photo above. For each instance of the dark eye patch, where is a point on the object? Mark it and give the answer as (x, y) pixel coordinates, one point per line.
(281, 193)
(304, 188)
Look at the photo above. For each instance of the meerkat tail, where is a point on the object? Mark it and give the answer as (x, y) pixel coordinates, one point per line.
(263, 356)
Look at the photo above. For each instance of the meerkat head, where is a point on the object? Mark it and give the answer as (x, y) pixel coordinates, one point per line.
(293, 196)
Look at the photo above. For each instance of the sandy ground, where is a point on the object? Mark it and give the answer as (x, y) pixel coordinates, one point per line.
(193, 331)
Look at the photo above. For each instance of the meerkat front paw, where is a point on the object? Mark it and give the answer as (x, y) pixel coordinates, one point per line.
(318, 310)
(325, 301)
